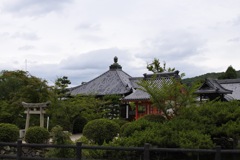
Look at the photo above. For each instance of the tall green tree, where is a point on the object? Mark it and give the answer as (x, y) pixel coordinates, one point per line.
(68, 110)
(60, 87)
(229, 74)
(172, 95)
(18, 86)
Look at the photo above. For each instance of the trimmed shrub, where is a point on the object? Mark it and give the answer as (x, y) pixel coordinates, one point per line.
(129, 128)
(60, 137)
(154, 118)
(8, 132)
(122, 129)
(121, 122)
(100, 130)
(37, 134)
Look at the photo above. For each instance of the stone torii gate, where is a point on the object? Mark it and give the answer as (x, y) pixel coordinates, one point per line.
(35, 108)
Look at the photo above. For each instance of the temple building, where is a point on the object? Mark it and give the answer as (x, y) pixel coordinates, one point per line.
(141, 99)
(113, 82)
(224, 89)
(117, 82)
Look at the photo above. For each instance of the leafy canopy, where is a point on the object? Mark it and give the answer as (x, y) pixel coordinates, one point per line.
(156, 67)
(169, 96)
(230, 73)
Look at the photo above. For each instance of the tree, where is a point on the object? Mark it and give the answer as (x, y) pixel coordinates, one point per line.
(18, 86)
(112, 106)
(156, 67)
(61, 85)
(229, 74)
(100, 130)
(170, 97)
(68, 110)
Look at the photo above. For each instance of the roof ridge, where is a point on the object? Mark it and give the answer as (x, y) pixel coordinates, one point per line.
(121, 77)
(212, 81)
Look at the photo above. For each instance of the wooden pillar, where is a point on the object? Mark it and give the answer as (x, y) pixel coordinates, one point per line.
(27, 119)
(136, 111)
(148, 108)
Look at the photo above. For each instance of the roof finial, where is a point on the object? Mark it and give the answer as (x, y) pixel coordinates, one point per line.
(115, 59)
(115, 65)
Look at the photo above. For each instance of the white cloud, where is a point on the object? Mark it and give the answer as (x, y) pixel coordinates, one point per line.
(25, 35)
(26, 48)
(33, 7)
(79, 38)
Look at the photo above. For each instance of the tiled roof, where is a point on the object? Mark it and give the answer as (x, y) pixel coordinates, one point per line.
(139, 94)
(229, 87)
(212, 86)
(232, 84)
(114, 81)
(134, 81)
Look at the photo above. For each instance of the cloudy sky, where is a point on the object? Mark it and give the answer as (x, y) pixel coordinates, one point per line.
(79, 38)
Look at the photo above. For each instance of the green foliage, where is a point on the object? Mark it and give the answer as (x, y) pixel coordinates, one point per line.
(154, 118)
(37, 134)
(194, 139)
(201, 78)
(220, 120)
(171, 134)
(60, 87)
(229, 74)
(16, 87)
(204, 126)
(112, 106)
(120, 122)
(171, 97)
(129, 128)
(8, 132)
(66, 112)
(60, 137)
(156, 67)
(101, 130)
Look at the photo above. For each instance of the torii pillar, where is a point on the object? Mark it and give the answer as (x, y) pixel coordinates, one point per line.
(35, 108)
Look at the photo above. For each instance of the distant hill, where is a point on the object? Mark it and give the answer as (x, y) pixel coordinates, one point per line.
(201, 78)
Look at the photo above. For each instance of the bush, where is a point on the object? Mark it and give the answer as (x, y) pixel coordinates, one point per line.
(8, 132)
(154, 118)
(121, 122)
(60, 138)
(37, 134)
(100, 130)
(129, 128)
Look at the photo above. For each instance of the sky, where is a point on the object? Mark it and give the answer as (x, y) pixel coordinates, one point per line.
(80, 38)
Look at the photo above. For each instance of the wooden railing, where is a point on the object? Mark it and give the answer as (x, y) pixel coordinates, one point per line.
(146, 151)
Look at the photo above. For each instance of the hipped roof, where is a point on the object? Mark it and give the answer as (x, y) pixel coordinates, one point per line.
(114, 81)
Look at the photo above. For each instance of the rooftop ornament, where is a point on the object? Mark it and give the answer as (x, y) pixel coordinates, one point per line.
(115, 65)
